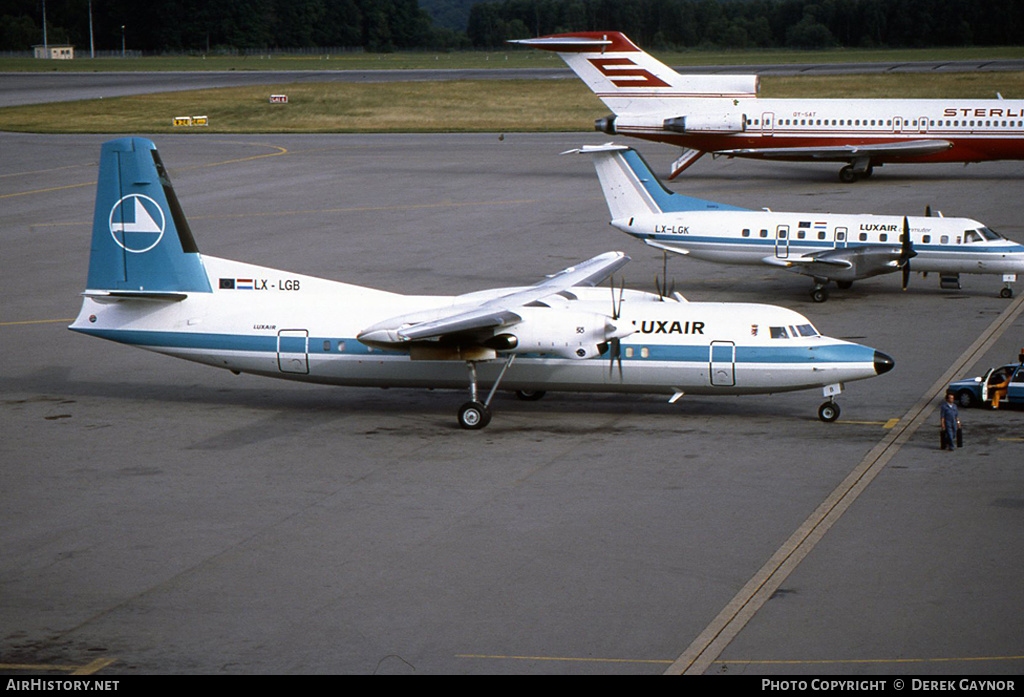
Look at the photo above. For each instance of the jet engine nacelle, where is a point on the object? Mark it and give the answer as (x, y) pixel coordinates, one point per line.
(576, 335)
(707, 123)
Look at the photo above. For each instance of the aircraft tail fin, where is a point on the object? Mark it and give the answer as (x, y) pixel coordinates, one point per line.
(632, 189)
(619, 72)
(141, 242)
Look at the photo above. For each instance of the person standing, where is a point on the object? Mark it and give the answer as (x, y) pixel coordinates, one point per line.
(950, 416)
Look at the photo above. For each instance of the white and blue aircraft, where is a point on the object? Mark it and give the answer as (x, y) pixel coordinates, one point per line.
(148, 286)
(825, 246)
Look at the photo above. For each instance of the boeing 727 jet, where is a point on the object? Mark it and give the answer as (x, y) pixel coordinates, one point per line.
(825, 246)
(722, 115)
(149, 286)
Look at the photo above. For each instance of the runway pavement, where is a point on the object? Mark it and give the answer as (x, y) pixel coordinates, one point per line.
(158, 516)
(41, 88)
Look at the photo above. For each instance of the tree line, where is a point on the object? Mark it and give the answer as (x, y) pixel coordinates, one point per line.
(390, 25)
(680, 24)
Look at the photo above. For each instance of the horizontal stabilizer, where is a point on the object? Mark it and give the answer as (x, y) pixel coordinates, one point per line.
(118, 295)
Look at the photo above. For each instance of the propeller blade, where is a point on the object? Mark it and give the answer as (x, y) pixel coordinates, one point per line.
(906, 253)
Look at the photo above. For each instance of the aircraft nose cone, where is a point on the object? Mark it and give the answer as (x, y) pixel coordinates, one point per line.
(883, 363)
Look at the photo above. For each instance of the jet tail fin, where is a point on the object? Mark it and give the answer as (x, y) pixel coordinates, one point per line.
(618, 71)
(141, 241)
(632, 189)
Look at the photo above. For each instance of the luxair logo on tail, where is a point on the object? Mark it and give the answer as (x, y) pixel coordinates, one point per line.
(153, 251)
(137, 223)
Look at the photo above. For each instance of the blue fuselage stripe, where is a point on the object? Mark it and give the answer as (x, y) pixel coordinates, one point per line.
(157, 340)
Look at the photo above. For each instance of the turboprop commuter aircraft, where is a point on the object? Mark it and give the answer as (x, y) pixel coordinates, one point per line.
(825, 246)
(723, 115)
(149, 286)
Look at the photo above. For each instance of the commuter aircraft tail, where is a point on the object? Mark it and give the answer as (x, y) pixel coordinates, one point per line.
(825, 246)
(149, 287)
(722, 115)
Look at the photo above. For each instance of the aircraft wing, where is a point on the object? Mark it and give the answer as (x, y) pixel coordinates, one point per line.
(841, 153)
(847, 264)
(495, 312)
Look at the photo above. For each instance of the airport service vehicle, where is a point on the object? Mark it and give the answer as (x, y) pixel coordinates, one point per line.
(722, 115)
(977, 391)
(149, 286)
(825, 246)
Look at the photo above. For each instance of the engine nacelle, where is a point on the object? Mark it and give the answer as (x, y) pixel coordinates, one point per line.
(577, 335)
(707, 123)
(606, 124)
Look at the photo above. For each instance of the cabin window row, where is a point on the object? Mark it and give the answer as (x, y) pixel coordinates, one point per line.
(956, 123)
(800, 234)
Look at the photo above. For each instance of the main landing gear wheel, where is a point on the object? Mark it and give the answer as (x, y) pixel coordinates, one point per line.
(828, 412)
(474, 415)
(1006, 293)
(847, 175)
(819, 294)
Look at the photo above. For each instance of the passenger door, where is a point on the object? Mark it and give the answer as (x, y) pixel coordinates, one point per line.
(722, 364)
(293, 351)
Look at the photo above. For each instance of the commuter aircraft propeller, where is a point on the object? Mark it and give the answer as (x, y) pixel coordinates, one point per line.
(723, 115)
(826, 246)
(148, 286)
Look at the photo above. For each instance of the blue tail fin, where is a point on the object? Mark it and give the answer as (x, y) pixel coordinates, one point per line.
(141, 241)
(631, 188)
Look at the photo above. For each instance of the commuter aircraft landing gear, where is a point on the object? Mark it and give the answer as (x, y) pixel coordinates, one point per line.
(819, 293)
(474, 414)
(1007, 289)
(828, 411)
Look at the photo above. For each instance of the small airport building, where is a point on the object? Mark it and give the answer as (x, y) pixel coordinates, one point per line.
(54, 51)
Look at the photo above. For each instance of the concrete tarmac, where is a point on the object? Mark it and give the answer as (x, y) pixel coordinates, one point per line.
(158, 516)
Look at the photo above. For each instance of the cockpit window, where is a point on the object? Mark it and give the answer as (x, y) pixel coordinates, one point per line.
(793, 331)
(989, 234)
(971, 236)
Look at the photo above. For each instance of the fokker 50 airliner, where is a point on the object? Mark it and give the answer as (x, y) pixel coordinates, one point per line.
(826, 246)
(149, 287)
(723, 115)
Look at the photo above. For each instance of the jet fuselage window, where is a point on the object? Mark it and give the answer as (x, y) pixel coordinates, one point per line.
(746, 232)
(863, 236)
(883, 237)
(764, 233)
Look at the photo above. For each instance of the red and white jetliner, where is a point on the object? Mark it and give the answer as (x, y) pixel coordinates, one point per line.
(722, 115)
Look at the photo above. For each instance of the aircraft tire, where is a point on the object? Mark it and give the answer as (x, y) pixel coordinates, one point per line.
(847, 175)
(819, 295)
(828, 412)
(474, 416)
(1006, 293)
(530, 395)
